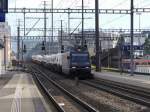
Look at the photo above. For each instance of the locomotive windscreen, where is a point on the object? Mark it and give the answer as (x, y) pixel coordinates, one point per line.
(80, 58)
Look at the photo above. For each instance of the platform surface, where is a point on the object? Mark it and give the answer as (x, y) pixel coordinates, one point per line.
(19, 93)
(136, 80)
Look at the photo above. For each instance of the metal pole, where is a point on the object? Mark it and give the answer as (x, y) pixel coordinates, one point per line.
(139, 28)
(61, 37)
(132, 36)
(24, 33)
(139, 21)
(22, 52)
(52, 27)
(121, 54)
(45, 25)
(5, 52)
(52, 21)
(18, 43)
(82, 23)
(97, 40)
(24, 22)
(108, 55)
(69, 23)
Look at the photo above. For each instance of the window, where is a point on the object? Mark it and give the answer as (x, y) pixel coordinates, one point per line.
(80, 58)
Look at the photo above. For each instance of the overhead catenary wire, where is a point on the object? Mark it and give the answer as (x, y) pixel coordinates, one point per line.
(119, 4)
(59, 2)
(74, 2)
(147, 5)
(141, 4)
(62, 2)
(113, 20)
(71, 5)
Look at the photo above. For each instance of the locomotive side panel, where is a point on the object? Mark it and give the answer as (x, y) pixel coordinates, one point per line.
(66, 63)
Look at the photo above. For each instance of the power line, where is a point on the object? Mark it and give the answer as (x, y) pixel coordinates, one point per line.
(59, 3)
(146, 5)
(113, 20)
(119, 4)
(75, 1)
(139, 4)
(69, 6)
(142, 3)
(101, 3)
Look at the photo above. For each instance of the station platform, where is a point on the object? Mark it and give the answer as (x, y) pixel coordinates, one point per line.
(135, 80)
(19, 93)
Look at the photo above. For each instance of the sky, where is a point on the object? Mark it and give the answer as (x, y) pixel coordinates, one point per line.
(106, 21)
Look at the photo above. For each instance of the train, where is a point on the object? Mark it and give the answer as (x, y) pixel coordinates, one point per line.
(75, 63)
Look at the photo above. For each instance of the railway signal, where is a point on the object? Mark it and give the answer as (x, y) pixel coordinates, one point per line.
(24, 49)
(43, 46)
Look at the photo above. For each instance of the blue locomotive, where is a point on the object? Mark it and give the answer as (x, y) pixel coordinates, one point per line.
(73, 63)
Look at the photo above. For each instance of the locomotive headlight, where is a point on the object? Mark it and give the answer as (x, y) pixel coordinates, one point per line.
(73, 67)
(86, 67)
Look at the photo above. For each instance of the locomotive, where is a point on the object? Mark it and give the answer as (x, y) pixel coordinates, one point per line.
(73, 63)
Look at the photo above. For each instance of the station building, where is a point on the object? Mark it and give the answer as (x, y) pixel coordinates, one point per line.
(5, 38)
(139, 40)
(108, 40)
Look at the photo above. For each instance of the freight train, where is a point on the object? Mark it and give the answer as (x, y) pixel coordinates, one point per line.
(74, 63)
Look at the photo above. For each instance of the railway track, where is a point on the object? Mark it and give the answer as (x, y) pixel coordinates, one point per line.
(136, 94)
(62, 99)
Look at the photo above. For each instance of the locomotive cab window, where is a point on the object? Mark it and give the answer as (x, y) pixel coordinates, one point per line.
(80, 58)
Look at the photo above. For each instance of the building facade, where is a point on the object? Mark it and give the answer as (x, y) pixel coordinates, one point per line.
(138, 40)
(108, 40)
(5, 34)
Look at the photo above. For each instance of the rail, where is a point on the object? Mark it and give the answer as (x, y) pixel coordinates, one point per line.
(133, 93)
(58, 107)
(76, 99)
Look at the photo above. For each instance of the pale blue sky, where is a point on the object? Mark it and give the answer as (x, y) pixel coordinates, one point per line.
(106, 21)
